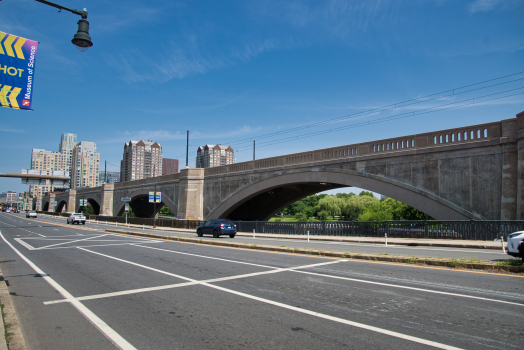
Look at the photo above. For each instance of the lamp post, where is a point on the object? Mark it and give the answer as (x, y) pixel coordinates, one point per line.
(81, 39)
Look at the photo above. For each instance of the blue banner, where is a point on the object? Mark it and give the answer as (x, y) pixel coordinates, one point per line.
(17, 71)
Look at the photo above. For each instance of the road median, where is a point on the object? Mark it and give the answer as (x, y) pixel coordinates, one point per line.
(450, 263)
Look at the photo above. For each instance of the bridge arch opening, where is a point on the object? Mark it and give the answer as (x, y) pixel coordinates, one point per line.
(45, 206)
(61, 207)
(94, 204)
(262, 199)
(142, 208)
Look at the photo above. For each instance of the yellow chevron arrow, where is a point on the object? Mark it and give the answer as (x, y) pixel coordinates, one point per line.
(18, 48)
(7, 43)
(3, 93)
(2, 34)
(12, 97)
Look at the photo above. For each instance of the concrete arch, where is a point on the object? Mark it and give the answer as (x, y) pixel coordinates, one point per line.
(60, 207)
(145, 192)
(45, 206)
(92, 200)
(421, 199)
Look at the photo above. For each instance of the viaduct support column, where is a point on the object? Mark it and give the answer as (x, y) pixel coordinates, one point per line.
(106, 207)
(52, 199)
(509, 180)
(71, 202)
(191, 197)
(520, 166)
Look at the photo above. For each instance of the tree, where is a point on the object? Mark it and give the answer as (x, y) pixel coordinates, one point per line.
(166, 211)
(366, 193)
(354, 206)
(323, 215)
(88, 210)
(332, 205)
(377, 212)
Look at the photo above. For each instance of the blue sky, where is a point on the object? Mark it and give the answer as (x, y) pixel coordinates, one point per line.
(231, 72)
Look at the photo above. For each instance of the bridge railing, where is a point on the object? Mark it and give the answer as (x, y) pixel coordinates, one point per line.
(472, 230)
(467, 229)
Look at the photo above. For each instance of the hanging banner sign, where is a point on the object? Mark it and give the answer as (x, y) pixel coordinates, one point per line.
(17, 71)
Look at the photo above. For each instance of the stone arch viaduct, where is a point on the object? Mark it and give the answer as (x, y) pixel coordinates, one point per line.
(472, 172)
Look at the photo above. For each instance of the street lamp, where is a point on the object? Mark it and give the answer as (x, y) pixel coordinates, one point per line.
(81, 40)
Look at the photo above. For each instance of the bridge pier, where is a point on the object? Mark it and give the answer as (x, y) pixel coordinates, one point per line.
(191, 195)
(106, 207)
(520, 167)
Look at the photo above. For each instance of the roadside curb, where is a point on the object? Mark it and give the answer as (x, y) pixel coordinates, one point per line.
(16, 341)
(451, 263)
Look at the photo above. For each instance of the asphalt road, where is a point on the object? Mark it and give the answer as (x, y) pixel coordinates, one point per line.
(391, 249)
(76, 287)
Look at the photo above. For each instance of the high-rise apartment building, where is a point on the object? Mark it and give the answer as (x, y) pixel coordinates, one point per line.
(141, 160)
(169, 166)
(67, 143)
(85, 165)
(209, 156)
(49, 161)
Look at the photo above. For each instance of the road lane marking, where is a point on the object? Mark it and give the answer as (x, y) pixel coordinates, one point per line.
(24, 244)
(293, 308)
(345, 278)
(411, 288)
(183, 284)
(78, 240)
(111, 334)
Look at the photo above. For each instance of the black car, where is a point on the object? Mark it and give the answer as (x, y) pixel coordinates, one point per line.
(217, 228)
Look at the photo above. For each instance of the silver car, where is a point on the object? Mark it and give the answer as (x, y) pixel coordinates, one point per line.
(515, 244)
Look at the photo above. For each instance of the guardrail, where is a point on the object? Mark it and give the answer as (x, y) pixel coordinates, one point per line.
(472, 229)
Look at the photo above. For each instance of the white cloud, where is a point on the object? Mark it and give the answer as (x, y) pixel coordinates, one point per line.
(177, 63)
(489, 5)
(4, 129)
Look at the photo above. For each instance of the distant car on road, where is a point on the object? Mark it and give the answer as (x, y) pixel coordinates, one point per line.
(31, 214)
(217, 228)
(76, 218)
(516, 244)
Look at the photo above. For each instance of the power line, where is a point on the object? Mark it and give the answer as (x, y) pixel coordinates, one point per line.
(410, 102)
(466, 102)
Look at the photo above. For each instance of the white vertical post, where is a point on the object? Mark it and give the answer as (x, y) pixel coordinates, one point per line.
(308, 236)
(502, 240)
(116, 223)
(386, 239)
(253, 233)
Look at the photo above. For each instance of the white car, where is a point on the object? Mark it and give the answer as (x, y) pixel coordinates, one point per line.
(515, 244)
(31, 214)
(76, 218)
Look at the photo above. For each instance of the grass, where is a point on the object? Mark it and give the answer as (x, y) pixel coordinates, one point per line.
(384, 254)
(7, 334)
(413, 259)
(510, 262)
(283, 246)
(320, 252)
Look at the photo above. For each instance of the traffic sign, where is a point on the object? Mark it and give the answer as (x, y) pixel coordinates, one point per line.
(126, 208)
(153, 198)
(125, 199)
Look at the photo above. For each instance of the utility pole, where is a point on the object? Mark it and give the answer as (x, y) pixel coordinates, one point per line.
(154, 201)
(187, 150)
(253, 149)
